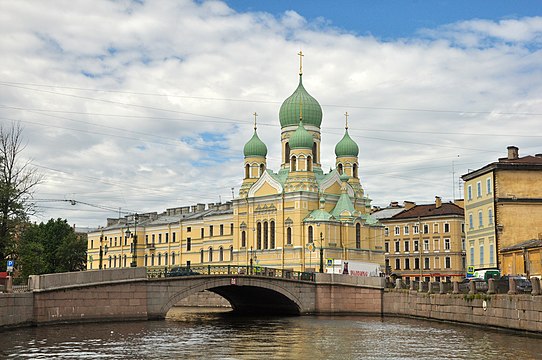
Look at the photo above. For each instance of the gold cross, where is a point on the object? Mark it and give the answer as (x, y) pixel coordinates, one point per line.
(255, 115)
(300, 53)
(346, 115)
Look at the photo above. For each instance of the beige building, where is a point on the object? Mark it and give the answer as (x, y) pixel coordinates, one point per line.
(289, 219)
(424, 241)
(503, 214)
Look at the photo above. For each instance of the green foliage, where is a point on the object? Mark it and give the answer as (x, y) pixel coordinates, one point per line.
(51, 247)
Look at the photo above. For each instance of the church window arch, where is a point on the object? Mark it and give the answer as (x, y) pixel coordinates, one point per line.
(265, 235)
(286, 152)
(247, 171)
(262, 169)
(243, 239)
(272, 233)
(259, 236)
(358, 236)
(340, 168)
(293, 163)
(289, 236)
(314, 152)
(355, 171)
(309, 163)
(311, 234)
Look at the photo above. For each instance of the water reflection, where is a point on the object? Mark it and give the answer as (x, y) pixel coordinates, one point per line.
(218, 335)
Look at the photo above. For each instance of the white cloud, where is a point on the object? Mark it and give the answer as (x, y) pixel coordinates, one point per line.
(175, 84)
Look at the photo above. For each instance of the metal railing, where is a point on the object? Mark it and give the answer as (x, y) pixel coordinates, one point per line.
(242, 270)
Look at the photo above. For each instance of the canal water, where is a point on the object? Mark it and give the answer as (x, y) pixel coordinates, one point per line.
(189, 334)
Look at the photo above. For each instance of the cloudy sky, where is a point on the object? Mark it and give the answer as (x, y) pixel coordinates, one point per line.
(142, 106)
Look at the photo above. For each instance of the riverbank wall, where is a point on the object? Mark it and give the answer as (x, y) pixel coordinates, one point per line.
(16, 309)
(521, 312)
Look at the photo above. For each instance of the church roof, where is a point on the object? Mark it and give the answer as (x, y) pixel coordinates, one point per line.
(300, 102)
(344, 204)
(255, 147)
(301, 138)
(347, 146)
(319, 215)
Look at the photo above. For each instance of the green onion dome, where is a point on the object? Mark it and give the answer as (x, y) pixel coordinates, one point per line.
(346, 147)
(255, 147)
(301, 138)
(300, 102)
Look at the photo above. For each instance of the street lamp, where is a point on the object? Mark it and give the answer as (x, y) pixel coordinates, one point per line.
(250, 272)
(134, 242)
(321, 253)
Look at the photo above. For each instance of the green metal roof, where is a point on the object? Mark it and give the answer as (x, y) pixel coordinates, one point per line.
(301, 138)
(255, 147)
(300, 102)
(346, 147)
(343, 204)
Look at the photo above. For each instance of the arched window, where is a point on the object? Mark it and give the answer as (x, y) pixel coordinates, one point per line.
(201, 256)
(265, 235)
(114, 261)
(243, 239)
(259, 236)
(262, 169)
(340, 168)
(110, 261)
(152, 259)
(358, 236)
(247, 171)
(221, 254)
(311, 234)
(146, 260)
(210, 254)
(355, 171)
(289, 236)
(314, 152)
(286, 152)
(165, 259)
(293, 164)
(309, 163)
(124, 260)
(272, 234)
(159, 259)
(231, 253)
(172, 258)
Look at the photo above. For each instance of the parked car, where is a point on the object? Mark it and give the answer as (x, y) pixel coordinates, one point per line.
(480, 284)
(180, 271)
(523, 284)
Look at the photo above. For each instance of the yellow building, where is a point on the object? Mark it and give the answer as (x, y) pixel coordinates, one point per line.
(290, 219)
(503, 210)
(425, 241)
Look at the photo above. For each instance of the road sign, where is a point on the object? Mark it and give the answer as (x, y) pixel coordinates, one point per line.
(11, 263)
(329, 262)
(310, 246)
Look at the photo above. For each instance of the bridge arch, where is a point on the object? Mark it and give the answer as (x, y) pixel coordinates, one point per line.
(246, 295)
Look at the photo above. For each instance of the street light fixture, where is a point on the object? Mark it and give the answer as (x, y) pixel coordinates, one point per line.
(321, 253)
(134, 242)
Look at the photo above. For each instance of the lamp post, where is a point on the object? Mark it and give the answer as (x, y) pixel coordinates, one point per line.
(250, 271)
(134, 242)
(321, 253)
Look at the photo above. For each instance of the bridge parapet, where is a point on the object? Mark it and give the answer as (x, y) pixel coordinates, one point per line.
(60, 280)
(348, 280)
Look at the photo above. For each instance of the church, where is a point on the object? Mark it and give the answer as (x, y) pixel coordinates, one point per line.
(294, 218)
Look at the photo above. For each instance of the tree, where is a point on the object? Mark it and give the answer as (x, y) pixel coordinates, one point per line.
(18, 181)
(51, 247)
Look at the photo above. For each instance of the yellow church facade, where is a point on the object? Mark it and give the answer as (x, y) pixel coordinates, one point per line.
(291, 218)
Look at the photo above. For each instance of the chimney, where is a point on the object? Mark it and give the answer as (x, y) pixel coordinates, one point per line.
(409, 204)
(538, 155)
(513, 152)
(394, 204)
(200, 207)
(438, 202)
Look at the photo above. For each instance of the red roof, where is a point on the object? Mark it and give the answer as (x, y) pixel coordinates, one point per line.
(430, 210)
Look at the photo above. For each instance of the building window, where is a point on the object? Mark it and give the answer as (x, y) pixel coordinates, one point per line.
(167, 238)
(488, 185)
(152, 239)
(482, 263)
(446, 228)
(397, 264)
(480, 219)
(358, 236)
(210, 257)
(210, 230)
(447, 262)
(221, 254)
(491, 256)
(490, 216)
(146, 260)
(173, 237)
(436, 245)
(159, 259)
(426, 229)
(426, 244)
(125, 261)
(416, 245)
(471, 225)
(437, 263)
(426, 263)
(469, 192)
(188, 228)
(407, 246)
(201, 256)
(152, 259)
(172, 258)
(188, 244)
(259, 236)
(289, 236)
(272, 234)
(463, 245)
(479, 189)
(416, 229)
(146, 239)
(311, 235)
(471, 256)
(231, 253)
(243, 239)
(416, 264)
(387, 247)
(265, 235)
(397, 247)
(221, 229)
(435, 228)
(406, 230)
(231, 229)
(446, 244)
(397, 231)
(407, 264)
(386, 231)
(202, 233)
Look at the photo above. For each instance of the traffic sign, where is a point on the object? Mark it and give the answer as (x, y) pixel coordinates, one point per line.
(11, 263)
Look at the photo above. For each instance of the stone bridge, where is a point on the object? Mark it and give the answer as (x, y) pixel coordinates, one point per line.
(129, 294)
